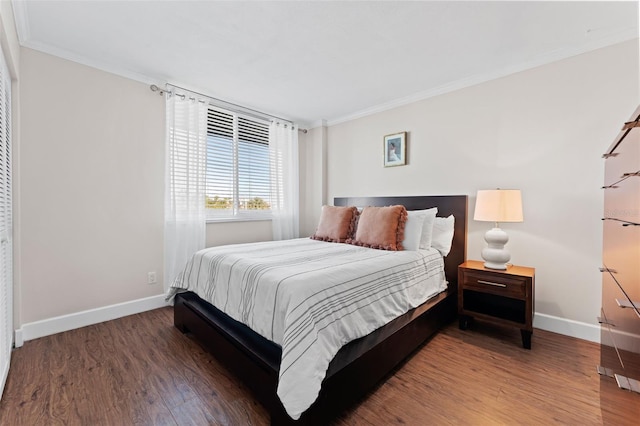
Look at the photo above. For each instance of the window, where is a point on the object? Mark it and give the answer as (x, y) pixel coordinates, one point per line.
(237, 177)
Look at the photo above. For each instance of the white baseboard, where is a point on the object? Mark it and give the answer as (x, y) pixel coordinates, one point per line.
(591, 332)
(18, 340)
(580, 330)
(36, 329)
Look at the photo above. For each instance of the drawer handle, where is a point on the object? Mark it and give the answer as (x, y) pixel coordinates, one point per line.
(490, 283)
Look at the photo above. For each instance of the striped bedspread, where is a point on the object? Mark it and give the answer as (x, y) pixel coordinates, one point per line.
(311, 298)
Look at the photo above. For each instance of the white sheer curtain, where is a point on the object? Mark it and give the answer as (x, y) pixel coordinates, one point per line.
(185, 220)
(283, 154)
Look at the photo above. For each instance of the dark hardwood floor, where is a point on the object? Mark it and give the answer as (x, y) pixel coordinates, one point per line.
(141, 370)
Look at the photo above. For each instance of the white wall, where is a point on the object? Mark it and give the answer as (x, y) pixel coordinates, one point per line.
(91, 171)
(542, 131)
(92, 193)
(313, 164)
(238, 232)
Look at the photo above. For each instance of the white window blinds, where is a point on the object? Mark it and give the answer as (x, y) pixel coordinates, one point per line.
(238, 176)
(6, 224)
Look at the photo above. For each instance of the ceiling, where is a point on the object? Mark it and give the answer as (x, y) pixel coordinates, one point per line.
(316, 60)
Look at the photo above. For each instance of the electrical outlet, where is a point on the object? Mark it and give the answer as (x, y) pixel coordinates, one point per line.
(151, 278)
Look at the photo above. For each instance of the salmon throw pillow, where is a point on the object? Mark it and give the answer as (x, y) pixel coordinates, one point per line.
(381, 228)
(337, 224)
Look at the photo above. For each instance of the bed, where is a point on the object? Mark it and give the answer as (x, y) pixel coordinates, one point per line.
(359, 365)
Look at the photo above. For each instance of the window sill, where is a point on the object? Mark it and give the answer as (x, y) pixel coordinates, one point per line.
(239, 219)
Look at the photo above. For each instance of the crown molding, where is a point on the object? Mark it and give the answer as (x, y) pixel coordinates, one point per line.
(318, 123)
(99, 65)
(21, 19)
(621, 36)
(141, 78)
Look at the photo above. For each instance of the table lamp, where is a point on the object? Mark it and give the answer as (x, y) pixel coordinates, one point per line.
(497, 205)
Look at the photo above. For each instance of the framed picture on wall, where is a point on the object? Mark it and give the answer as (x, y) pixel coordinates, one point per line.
(395, 149)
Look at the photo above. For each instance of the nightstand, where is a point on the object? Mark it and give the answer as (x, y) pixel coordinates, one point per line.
(503, 297)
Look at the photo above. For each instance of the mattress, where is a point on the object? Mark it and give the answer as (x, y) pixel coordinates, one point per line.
(311, 298)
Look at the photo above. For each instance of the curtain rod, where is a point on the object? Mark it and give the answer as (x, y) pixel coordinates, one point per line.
(255, 113)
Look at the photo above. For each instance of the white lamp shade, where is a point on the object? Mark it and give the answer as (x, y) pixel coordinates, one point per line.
(499, 205)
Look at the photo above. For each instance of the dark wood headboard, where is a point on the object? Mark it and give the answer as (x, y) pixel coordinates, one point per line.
(446, 204)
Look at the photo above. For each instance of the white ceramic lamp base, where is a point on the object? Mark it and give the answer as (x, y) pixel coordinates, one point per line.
(495, 256)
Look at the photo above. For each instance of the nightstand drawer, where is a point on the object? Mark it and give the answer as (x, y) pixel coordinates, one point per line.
(508, 285)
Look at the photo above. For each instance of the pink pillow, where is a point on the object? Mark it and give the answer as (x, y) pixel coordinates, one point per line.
(381, 228)
(337, 224)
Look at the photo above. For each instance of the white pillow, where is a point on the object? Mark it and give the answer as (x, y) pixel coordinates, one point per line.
(427, 228)
(443, 234)
(413, 229)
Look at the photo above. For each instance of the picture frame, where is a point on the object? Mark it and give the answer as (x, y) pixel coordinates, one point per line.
(395, 149)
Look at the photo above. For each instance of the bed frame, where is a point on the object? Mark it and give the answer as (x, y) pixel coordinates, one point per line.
(360, 365)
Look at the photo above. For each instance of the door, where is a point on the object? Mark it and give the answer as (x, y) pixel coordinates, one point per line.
(6, 224)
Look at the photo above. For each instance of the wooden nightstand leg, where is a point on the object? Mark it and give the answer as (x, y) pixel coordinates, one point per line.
(464, 322)
(526, 338)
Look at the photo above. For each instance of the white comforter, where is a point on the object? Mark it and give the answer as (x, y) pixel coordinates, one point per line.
(311, 298)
